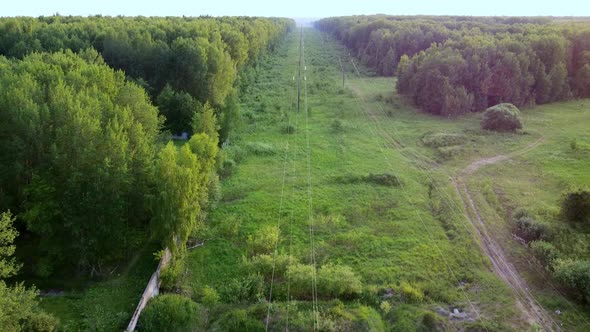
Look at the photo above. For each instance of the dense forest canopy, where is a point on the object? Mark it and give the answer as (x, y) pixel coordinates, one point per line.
(198, 56)
(453, 65)
(84, 107)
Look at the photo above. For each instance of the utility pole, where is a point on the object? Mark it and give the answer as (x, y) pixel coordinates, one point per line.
(341, 67)
(299, 69)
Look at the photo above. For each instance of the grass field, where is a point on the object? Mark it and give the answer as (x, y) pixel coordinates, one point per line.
(316, 180)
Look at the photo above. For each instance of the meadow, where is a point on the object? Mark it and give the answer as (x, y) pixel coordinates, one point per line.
(340, 197)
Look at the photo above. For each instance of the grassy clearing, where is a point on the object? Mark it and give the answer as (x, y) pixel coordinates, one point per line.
(407, 248)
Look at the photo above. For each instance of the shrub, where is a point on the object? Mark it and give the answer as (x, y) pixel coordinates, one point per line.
(288, 129)
(411, 294)
(261, 149)
(301, 276)
(338, 281)
(576, 205)
(210, 296)
(502, 117)
(521, 213)
(171, 274)
(41, 322)
(576, 275)
(431, 323)
(337, 126)
(227, 167)
(545, 252)
(238, 320)
(385, 307)
(170, 312)
(384, 179)
(263, 241)
(529, 229)
(264, 263)
(246, 289)
(438, 140)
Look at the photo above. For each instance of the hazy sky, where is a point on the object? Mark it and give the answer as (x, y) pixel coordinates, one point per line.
(291, 8)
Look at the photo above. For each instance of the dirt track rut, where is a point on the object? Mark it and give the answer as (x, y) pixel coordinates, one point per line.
(502, 266)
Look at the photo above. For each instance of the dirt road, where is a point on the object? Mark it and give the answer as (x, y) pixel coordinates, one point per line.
(502, 266)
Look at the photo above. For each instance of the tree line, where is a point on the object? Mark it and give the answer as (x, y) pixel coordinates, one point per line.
(86, 107)
(453, 65)
(178, 57)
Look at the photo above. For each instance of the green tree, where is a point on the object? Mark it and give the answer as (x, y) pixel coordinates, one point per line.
(19, 310)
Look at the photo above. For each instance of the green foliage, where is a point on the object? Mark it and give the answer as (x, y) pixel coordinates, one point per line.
(545, 252)
(239, 320)
(8, 265)
(576, 275)
(502, 117)
(337, 126)
(263, 241)
(431, 322)
(410, 293)
(384, 179)
(210, 297)
(171, 274)
(205, 122)
(288, 129)
(575, 205)
(170, 312)
(450, 66)
(86, 142)
(437, 140)
(261, 149)
(19, 309)
(178, 108)
(529, 229)
(338, 281)
(243, 289)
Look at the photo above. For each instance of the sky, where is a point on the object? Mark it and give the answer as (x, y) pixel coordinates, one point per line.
(291, 8)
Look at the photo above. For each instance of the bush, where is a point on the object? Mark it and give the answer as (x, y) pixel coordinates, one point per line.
(210, 296)
(576, 205)
(411, 294)
(439, 140)
(338, 281)
(263, 241)
(502, 117)
(530, 230)
(431, 322)
(545, 252)
(301, 277)
(171, 274)
(337, 126)
(261, 149)
(288, 129)
(264, 264)
(238, 320)
(576, 275)
(384, 179)
(170, 312)
(247, 289)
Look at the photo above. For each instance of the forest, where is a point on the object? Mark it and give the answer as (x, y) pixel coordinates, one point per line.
(454, 65)
(87, 107)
